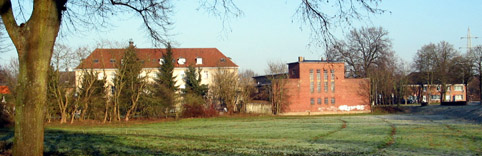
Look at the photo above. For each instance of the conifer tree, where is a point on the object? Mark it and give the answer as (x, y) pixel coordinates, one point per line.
(165, 86)
(193, 82)
(128, 84)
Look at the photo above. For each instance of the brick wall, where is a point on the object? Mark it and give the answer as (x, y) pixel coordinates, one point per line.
(349, 95)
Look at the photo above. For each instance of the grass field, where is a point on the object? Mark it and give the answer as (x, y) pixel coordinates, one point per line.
(267, 135)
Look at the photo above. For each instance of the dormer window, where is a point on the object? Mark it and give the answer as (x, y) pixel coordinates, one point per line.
(181, 60)
(96, 61)
(199, 60)
(222, 60)
(112, 60)
(161, 61)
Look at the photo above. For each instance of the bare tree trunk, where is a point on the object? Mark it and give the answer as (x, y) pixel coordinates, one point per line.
(34, 41)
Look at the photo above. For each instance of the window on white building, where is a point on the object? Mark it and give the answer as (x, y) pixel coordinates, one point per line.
(161, 61)
(181, 60)
(205, 75)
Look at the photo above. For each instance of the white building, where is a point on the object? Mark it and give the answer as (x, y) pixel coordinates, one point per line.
(105, 61)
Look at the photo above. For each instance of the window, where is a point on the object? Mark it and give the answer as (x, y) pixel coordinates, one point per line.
(424, 88)
(325, 79)
(96, 61)
(459, 97)
(435, 97)
(161, 61)
(222, 60)
(332, 100)
(326, 100)
(325, 74)
(181, 60)
(112, 60)
(318, 80)
(312, 101)
(458, 88)
(199, 60)
(326, 86)
(447, 97)
(448, 88)
(332, 75)
(312, 84)
(438, 88)
(332, 80)
(206, 75)
(319, 101)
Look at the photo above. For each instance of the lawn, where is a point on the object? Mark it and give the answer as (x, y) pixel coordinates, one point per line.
(267, 135)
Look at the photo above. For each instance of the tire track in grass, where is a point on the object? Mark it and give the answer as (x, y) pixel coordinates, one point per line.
(459, 132)
(390, 139)
(343, 126)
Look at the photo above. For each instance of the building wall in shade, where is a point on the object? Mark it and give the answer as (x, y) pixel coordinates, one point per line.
(307, 93)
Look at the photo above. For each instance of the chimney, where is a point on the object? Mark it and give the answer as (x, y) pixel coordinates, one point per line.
(300, 59)
(131, 43)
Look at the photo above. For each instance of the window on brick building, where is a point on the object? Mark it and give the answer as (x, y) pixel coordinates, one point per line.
(458, 88)
(332, 100)
(332, 80)
(312, 83)
(312, 101)
(326, 100)
(319, 101)
(459, 97)
(318, 80)
(325, 79)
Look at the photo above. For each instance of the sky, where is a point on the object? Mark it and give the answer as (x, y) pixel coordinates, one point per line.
(269, 30)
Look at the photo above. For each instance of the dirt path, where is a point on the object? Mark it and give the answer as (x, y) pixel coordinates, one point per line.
(331, 132)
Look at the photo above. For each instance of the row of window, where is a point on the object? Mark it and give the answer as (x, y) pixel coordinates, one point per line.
(181, 60)
(318, 101)
(456, 88)
(325, 80)
(447, 97)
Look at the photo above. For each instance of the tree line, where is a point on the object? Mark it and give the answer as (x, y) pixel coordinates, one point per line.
(132, 94)
(368, 53)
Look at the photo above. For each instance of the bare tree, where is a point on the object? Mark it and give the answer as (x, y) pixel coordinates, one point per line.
(368, 53)
(247, 87)
(476, 59)
(34, 41)
(224, 87)
(278, 74)
(314, 14)
(444, 60)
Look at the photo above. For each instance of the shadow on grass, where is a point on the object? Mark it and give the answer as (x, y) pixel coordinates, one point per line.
(73, 143)
(70, 143)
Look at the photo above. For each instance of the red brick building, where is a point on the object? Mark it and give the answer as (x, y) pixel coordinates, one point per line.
(320, 87)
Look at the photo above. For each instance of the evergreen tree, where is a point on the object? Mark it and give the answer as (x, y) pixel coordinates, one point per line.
(193, 82)
(165, 76)
(128, 84)
(165, 86)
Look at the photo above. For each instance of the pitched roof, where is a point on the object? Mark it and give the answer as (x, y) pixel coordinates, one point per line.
(211, 57)
(4, 90)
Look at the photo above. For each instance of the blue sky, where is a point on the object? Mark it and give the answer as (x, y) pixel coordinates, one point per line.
(269, 31)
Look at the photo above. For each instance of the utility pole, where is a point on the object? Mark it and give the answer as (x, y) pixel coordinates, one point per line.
(469, 49)
(469, 40)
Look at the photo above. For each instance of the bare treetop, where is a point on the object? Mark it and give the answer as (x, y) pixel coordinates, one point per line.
(321, 18)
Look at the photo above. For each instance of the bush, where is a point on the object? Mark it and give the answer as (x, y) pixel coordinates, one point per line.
(193, 106)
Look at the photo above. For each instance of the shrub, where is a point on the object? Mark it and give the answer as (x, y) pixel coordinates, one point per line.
(193, 106)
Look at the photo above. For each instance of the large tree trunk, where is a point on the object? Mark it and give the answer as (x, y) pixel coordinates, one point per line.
(34, 42)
